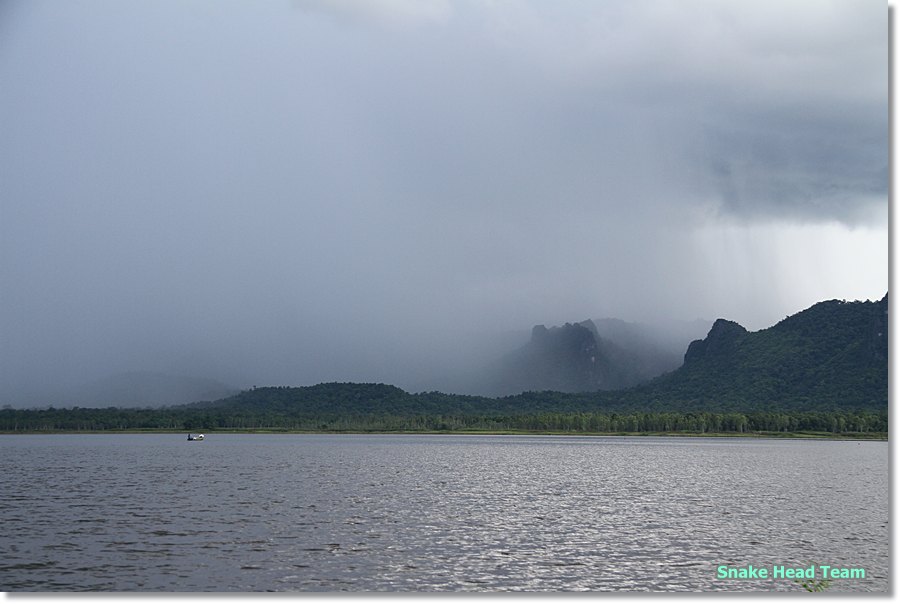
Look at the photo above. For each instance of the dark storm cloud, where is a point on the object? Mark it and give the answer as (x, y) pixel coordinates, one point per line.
(361, 190)
(765, 109)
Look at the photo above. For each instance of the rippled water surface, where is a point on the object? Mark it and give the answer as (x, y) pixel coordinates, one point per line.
(434, 513)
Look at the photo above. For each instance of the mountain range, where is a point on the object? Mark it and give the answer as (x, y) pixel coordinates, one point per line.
(822, 369)
(830, 357)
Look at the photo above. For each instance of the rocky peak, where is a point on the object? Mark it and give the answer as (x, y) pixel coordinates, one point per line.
(571, 338)
(590, 326)
(720, 338)
(539, 333)
(724, 329)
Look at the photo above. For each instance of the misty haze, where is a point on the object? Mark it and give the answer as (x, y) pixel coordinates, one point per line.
(398, 192)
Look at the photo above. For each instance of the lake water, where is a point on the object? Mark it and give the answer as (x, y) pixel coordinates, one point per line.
(434, 513)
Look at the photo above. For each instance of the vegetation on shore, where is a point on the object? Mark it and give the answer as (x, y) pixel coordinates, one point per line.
(300, 419)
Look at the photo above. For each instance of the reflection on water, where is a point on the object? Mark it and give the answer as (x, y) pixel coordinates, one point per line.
(433, 513)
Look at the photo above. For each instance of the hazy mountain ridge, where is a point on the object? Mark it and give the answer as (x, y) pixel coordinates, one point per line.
(604, 354)
(831, 357)
(565, 359)
(823, 369)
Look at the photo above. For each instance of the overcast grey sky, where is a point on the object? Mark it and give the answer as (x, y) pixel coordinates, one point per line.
(295, 192)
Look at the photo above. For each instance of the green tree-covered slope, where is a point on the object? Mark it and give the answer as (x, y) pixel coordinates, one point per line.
(831, 356)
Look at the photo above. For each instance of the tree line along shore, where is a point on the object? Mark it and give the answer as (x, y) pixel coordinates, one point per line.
(858, 424)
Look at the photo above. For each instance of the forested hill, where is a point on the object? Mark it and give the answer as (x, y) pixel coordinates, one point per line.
(832, 356)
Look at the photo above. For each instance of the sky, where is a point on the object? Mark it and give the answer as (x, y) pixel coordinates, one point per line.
(291, 192)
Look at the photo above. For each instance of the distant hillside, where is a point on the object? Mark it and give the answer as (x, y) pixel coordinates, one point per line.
(607, 354)
(564, 359)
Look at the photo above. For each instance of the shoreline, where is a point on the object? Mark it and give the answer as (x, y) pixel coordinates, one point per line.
(850, 436)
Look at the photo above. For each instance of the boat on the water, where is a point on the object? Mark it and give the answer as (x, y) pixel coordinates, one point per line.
(192, 437)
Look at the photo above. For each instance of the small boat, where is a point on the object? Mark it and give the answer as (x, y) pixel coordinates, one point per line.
(192, 437)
